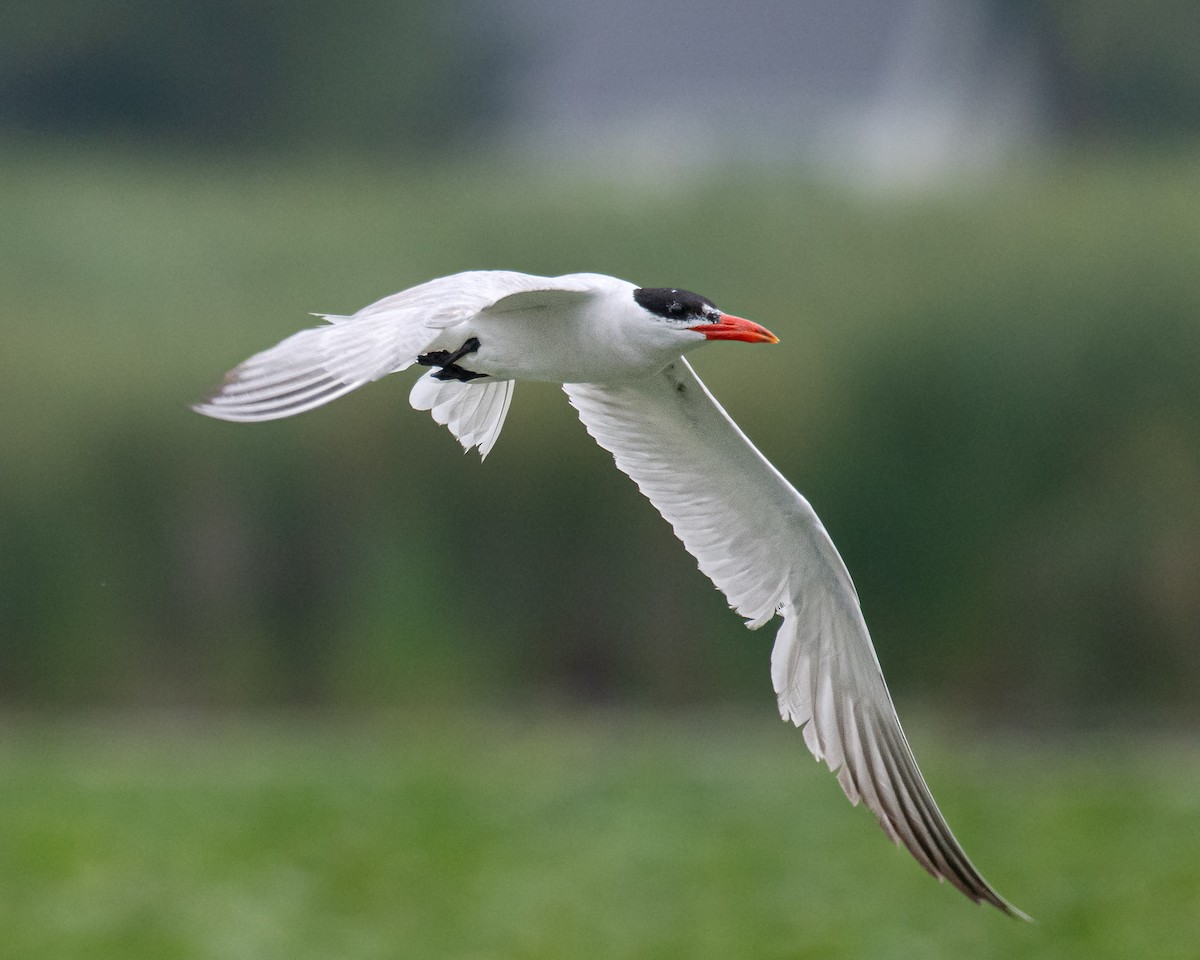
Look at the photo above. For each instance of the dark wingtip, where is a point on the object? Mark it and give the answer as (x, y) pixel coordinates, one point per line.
(1015, 912)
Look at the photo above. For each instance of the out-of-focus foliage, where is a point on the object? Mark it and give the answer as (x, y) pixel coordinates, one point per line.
(1127, 68)
(992, 399)
(416, 74)
(700, 835)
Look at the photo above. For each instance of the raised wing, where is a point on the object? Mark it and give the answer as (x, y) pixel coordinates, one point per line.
(762, 544)
(314, 366)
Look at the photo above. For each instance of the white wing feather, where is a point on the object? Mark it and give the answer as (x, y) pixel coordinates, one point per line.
(315, 366)
(762, 544)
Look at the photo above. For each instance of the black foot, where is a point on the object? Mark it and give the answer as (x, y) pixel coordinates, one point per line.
(448, 361)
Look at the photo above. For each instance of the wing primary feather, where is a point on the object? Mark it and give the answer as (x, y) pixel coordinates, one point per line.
(250, 391)
(858, 761)
(290, 397)
(959, 869)
(929, 817)
(260, 412)
(847, 736)
(914, 826)
(953, 863)
(885, 807)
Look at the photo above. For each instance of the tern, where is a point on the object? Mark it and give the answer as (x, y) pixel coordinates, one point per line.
(618, 350)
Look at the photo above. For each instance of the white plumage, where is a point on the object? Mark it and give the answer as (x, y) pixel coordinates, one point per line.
(473, 412)
(618, 351)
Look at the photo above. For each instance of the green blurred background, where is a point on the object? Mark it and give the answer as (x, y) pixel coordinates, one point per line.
(247, 671)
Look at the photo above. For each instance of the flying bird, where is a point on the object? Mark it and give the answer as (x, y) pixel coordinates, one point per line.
(618, 350)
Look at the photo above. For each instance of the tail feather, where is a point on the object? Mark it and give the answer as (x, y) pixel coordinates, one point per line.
(473, 411)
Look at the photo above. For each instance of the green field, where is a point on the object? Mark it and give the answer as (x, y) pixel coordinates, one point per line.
(548, 835)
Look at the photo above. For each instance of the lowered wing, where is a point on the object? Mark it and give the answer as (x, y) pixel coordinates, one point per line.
(762, 544)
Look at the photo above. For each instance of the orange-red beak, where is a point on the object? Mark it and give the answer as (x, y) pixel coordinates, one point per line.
(735, 328)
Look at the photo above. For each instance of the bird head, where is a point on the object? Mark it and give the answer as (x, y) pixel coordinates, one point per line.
(684, 310)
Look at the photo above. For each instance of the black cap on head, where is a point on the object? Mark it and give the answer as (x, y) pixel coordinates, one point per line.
(673, 303)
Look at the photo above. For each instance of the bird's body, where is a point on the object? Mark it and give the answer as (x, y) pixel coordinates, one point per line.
(564, 339)
(618, 351)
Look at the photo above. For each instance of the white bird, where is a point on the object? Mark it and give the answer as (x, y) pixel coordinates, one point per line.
(618, 349)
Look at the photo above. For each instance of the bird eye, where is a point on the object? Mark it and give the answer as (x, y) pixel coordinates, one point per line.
(675, 308)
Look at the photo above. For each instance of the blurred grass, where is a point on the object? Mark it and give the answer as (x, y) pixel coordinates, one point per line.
(989, 395)
(547, 835)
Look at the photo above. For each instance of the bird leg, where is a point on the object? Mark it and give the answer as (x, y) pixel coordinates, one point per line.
(448, 361)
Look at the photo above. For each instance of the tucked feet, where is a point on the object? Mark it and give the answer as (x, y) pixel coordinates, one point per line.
(448, 361)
